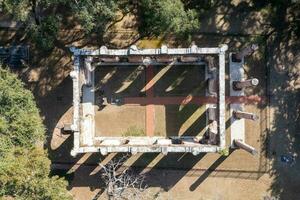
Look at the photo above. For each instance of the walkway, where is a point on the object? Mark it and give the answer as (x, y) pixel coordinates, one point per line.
(150, 100)
(150, 110)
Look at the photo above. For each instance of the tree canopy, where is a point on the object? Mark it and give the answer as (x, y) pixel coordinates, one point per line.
(95, 15)
(168, 16)
(43, 18)
(20, 122)
(24, 166)
(24, 174)
(39, 18)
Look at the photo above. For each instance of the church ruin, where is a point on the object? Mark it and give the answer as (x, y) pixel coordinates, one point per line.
(212, 60)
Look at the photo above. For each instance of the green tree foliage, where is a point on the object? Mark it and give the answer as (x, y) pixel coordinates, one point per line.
(169, 16)
(45, 33)
(39, 18)
(24, 175)
(94, 15)
(24, 166)
(42, 18)
(20, 122)
(134, 131)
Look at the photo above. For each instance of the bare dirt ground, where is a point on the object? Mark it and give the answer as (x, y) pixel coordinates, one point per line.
(117, 120)
(170, 177)
(183, 176)
(168, 118)
(194, 184)
(179, 81)
(209, 176)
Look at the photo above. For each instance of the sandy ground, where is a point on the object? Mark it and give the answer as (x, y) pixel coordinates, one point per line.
(175, 176)
(239, 176)
(160, 81)
(116, 120)
(198, 185)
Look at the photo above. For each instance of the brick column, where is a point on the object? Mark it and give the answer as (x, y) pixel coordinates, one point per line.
(244, 115)
(239, 85)
(244, 52)
(244, 146)
(88, 70)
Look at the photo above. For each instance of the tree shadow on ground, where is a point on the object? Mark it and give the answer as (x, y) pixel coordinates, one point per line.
(170, 170)
(208, 171)
(173, 161)
(283, 138)
(283, 65)
(284, 102)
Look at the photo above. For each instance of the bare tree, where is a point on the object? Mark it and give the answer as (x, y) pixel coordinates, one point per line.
(122, 182)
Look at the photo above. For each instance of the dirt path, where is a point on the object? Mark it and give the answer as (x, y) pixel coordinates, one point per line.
(148, 101)
(150, 110)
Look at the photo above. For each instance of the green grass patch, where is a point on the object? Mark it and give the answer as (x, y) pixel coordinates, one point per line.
(134, 131)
